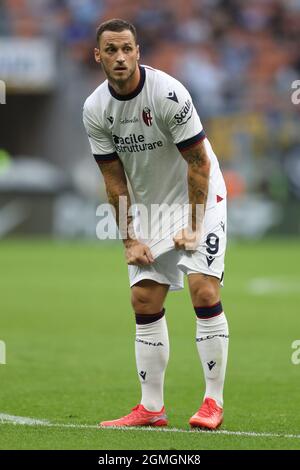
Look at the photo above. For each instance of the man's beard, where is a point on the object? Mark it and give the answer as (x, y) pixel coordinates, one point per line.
(121, 81)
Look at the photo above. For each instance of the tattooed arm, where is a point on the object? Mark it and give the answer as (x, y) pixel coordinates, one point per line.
(198, 177)
(116, 188)
(198, 180)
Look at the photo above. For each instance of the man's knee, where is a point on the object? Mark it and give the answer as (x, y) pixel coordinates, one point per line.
(205, 292)
(148, 297)
(140, 301)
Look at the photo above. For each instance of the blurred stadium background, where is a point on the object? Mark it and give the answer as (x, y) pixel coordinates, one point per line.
(58, 301)
(237, 58)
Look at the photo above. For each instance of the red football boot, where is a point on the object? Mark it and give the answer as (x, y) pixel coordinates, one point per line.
(209, 415)
(139, 416)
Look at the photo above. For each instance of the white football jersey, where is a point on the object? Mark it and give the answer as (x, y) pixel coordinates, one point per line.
(146, 130)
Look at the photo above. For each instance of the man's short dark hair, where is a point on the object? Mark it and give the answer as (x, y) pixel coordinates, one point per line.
(116, 25)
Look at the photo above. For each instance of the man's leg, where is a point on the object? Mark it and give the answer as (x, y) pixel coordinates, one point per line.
(211, 334)
(149, 288)
(152, 341)
(152, 354)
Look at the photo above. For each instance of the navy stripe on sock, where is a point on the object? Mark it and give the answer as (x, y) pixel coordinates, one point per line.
(209, 312)
(144, 319)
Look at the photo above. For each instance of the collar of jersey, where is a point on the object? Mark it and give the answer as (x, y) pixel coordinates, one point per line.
(135, 92)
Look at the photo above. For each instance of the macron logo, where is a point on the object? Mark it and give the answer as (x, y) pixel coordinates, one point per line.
(172, 96)
(143, 374)
(211, 364)
(209, 260)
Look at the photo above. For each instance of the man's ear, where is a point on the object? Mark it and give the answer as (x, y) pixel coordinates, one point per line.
(138, 52)
(97, 55)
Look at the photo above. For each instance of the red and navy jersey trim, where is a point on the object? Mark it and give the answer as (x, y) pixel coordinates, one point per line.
(187, 144)
(109, 157)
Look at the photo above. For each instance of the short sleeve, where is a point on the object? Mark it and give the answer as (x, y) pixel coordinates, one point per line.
(181, 117)
(101, 142)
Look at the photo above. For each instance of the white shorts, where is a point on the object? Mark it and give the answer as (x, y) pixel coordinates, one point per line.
(169, 268)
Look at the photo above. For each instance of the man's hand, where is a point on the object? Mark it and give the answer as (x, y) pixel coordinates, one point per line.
(137, 253)
(186, 239)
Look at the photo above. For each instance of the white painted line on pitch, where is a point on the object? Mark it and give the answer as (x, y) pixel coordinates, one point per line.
(20, 420)
(265, 286)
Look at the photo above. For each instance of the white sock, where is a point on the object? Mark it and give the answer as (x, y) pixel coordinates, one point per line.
(212, 344)
(152, 355)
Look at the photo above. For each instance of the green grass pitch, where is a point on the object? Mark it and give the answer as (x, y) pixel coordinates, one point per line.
(66, 320)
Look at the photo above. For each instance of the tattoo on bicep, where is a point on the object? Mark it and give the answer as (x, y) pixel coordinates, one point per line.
(196, 157)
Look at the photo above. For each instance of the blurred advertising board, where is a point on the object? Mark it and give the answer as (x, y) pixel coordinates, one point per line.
(27, 65)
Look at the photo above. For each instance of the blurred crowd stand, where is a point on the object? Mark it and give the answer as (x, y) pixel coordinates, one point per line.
(238, 59)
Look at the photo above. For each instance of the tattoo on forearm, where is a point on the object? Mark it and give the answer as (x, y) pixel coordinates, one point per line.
(121, 203)
(118, 195)
(198, 180)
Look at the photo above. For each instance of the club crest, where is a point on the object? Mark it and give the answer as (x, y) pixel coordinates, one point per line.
(147, 117)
